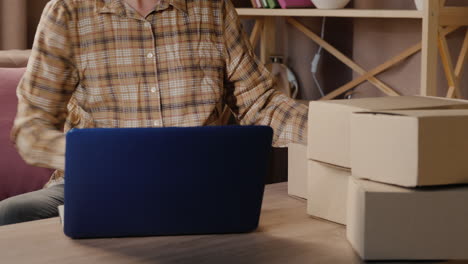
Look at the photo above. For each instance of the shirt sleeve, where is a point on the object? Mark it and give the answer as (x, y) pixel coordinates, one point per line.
(44, 91)
(249, 88)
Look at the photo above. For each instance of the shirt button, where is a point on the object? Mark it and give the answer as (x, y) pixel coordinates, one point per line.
(157, 123)
(153, 90)
(148, 24)
(150, 55)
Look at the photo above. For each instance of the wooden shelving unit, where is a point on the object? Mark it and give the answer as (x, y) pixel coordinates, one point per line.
(312, 12)
(437, 22)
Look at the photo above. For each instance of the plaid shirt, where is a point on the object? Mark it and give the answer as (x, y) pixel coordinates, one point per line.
(98, 63)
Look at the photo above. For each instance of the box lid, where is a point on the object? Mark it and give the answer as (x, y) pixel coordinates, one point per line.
(332, 166)
(377, 187)
(395, 102)
(422, 113)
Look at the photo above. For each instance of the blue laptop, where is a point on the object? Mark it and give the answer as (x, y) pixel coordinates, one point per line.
(164, 181)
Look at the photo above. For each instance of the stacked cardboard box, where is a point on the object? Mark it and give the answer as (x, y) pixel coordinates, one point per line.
(387, 222)
(407, 141)
(329, 143)
(297, 170)
(411, 148)
(327, 189)
(297, 167)
(418, 210)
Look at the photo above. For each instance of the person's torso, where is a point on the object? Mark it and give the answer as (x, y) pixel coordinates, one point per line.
(163, 70)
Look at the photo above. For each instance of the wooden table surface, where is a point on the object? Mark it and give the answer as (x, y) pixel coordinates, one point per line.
(286, 235)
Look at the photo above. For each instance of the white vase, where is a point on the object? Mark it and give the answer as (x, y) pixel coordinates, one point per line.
(419, 4)
(330, 4)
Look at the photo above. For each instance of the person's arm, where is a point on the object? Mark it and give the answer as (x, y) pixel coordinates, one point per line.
(249, 88)
(44, 92)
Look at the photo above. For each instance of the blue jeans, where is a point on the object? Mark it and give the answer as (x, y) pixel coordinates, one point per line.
(31, 206)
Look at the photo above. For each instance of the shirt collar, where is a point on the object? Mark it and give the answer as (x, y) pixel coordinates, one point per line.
(118, 7)
(110, 6)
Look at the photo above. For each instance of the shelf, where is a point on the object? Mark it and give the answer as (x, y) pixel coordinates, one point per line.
(450, 16)
(313, 12)
(437, 21)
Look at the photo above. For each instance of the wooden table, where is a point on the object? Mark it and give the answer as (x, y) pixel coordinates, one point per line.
(286, 235)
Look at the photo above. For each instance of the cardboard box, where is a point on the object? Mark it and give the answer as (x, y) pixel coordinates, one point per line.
(297, 170)
(328, 186)
(411, 148)
(329, 122)
(386, 222)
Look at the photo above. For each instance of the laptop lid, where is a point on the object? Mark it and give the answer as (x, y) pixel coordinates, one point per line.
(164, 181)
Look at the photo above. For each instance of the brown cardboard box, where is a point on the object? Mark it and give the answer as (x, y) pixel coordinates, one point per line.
(386, 222)
(411, 148)
(329, 122)
(297, 170)
(328, 185)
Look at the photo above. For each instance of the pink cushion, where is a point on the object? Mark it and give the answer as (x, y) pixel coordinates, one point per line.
(16, 176)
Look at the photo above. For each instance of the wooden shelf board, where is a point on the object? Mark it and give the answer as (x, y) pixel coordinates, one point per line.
(313, 12)
(453, 16)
